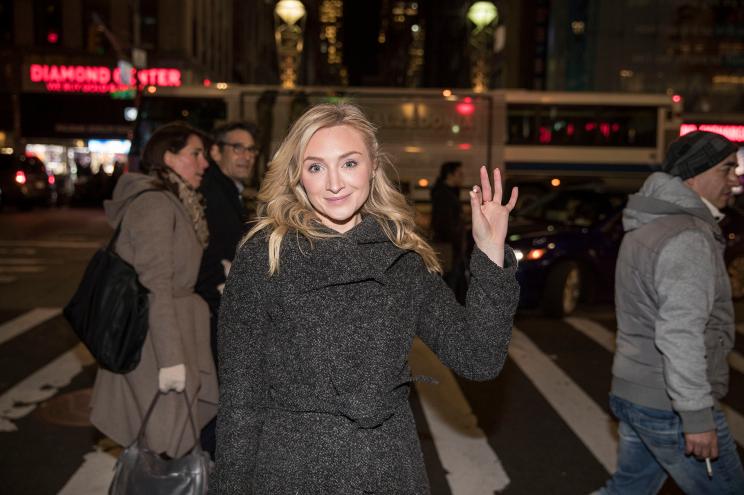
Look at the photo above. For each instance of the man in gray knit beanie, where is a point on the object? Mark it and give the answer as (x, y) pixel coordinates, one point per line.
(675, 327)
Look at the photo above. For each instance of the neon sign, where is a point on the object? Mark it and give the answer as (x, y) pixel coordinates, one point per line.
(98, 79)
(733, 133)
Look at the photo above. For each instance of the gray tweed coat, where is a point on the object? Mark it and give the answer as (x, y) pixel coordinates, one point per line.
(314, 361)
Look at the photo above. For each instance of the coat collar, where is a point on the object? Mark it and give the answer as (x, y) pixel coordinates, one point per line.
(362, 253)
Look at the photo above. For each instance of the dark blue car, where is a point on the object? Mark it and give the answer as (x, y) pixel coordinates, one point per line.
(567, 242)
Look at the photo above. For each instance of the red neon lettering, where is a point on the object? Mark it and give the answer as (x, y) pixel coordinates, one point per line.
(174, 77)
(98, 79)
(732, 132)
(104, 75)
(67, 72)
(36, 73)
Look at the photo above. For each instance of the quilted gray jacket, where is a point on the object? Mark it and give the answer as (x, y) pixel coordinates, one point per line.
(314, 361)
(673, 302)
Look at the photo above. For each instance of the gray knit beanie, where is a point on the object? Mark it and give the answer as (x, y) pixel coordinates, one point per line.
(696, 152)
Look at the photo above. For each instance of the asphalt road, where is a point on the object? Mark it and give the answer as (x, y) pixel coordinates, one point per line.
(542, 427)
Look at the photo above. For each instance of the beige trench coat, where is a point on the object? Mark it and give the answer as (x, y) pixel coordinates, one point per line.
(158, 239)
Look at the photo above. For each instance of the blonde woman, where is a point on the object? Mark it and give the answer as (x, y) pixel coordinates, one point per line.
(320, 310)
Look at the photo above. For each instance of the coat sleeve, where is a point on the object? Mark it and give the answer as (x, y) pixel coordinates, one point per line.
(150, 222)
(243, 322)
(472, 340)
(684, 279)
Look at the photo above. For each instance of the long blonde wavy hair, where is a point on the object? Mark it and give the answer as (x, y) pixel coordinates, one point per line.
(283, 205)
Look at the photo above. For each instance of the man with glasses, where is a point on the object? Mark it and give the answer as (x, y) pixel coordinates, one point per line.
(233, 155)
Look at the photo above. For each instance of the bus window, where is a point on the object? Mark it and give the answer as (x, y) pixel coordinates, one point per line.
(581, 125)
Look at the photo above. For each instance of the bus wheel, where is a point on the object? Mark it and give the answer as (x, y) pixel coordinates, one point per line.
(562, 289)
(736, 274)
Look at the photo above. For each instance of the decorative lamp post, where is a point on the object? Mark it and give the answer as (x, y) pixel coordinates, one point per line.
(485, 17)
(289, 24)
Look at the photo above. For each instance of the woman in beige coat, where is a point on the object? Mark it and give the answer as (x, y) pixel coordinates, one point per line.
(163, 235)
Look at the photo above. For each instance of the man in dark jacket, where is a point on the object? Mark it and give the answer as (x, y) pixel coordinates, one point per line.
(448, 230)
(675, 324)
(233, 156)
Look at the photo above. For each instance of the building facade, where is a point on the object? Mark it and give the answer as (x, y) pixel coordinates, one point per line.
(60, 59)
(691, 48)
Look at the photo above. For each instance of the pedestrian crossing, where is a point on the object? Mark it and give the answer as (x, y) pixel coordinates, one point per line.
(22, 258)
(543, 426)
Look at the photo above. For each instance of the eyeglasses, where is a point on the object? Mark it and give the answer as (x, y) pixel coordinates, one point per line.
(240, 149)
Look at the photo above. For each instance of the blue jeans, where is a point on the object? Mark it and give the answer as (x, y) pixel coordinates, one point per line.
(652, 447)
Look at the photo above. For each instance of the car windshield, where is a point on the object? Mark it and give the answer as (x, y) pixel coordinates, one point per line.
(581, 208)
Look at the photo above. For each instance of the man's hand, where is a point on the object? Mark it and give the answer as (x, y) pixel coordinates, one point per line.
(702, 445)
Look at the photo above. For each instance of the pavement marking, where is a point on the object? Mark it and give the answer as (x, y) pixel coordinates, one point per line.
(594, 331)
(41, 385)
(606, 339)
(22, 269)
(471, 465)
(93, 477)
(16, 326)
(52, 244)
(595, 428)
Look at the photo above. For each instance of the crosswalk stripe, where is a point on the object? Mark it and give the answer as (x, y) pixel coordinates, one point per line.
(587, 420)
(471, 465)
(51, 244)
(44, 383)
(26, 321)
(606, 339)
(93, 477)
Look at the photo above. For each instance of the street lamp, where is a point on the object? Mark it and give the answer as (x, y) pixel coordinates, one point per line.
(289, 23)
(485, 16)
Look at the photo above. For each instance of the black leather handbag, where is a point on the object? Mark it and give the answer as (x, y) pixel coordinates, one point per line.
(109, 310)
(140, 471)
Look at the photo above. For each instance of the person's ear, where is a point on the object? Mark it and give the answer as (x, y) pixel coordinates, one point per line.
(215, 153)
(169, 158)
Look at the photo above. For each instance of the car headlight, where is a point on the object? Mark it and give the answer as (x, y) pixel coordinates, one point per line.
(532, 254)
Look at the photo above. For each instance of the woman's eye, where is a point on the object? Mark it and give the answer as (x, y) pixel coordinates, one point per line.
(314, 168)
(350, 163)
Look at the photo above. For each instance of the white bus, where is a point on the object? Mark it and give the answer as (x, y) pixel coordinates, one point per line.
(532, 136)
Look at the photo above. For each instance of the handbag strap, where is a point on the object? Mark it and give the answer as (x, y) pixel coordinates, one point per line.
(143, 427)
(112, 242)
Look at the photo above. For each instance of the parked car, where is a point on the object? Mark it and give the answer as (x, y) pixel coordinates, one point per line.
(568, 241)
(24, 182)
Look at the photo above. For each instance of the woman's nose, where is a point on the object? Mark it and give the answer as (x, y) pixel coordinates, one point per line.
(333, 181)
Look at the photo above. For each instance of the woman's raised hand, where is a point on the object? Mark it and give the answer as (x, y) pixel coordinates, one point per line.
(490, 217)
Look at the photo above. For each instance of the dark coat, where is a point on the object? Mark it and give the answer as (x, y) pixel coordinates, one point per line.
(226, 216)
(446, 216)
(314, 361)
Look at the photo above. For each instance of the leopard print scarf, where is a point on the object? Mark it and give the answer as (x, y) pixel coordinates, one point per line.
(194, 203)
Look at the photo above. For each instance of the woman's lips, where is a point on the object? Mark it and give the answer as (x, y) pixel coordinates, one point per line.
(338, 199)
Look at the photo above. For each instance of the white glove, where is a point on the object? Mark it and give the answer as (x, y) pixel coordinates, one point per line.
(172, 378)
